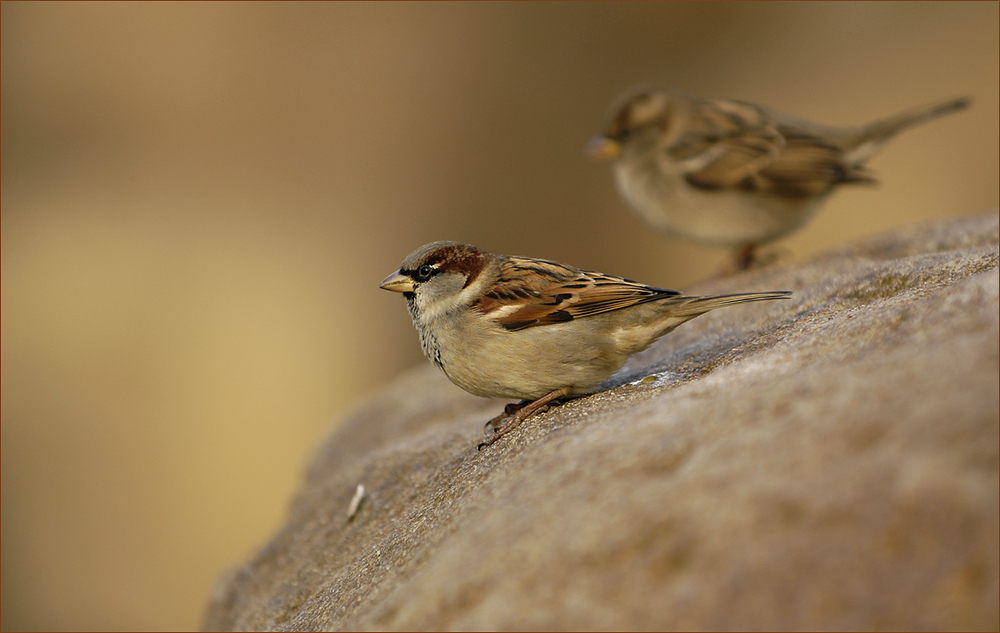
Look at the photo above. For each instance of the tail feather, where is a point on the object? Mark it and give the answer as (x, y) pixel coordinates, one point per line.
(695, 306)
(871, 136)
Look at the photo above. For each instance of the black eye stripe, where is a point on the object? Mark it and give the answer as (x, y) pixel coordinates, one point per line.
(422, 273)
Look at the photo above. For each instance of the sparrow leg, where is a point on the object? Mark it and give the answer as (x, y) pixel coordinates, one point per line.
(742, 259)
(521, 413)
(508, 411)
(745, 257)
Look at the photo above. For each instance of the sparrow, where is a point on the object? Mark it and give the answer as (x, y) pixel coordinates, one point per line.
(502, 326)
(730, 173)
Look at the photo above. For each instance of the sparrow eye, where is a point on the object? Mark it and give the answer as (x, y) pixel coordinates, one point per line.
(424, 272)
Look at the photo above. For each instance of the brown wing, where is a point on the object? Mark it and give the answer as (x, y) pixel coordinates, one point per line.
(735, 145)
(533, 292)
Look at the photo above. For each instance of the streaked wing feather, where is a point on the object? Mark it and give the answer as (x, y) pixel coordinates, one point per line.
(732, 160)
(809, 166)
(733, 145)
(532, 293)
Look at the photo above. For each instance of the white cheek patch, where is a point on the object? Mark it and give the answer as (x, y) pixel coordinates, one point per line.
(436, 299)
(428, 309)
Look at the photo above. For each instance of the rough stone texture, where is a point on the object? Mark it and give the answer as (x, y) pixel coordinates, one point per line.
(828, 462)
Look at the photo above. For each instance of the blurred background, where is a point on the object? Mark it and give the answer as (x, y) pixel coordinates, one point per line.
(199, 201)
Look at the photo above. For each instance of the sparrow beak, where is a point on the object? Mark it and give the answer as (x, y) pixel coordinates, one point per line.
(602, 148)
(397, 282)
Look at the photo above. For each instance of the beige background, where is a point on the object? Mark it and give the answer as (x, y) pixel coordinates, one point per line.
(199, 200)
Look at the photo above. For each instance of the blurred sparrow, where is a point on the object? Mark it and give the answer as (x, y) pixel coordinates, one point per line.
(735, 174)
(512, 327)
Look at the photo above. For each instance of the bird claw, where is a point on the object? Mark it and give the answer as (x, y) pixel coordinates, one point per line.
(499, 430)
(508, 411)
(518, 413)
(494, 423)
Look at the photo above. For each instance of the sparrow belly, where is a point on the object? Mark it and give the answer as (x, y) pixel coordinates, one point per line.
(527, 364)
(724, 217)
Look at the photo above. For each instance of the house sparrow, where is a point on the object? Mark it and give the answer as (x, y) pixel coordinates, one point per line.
(731, 173)
(513, 327)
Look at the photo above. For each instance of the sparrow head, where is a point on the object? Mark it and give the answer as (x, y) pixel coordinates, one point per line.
(639, 115)
(439, 276)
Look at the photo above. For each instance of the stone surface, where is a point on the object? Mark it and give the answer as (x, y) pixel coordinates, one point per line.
(828, 462)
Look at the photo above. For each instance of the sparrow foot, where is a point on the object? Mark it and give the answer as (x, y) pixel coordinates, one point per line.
(519, 413)
(509, 410)
(749, 258)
